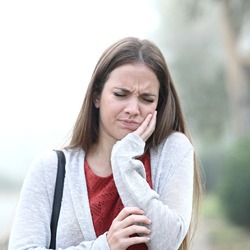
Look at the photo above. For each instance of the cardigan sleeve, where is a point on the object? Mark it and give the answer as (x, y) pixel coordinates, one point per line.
(31, 227)
(170, 206)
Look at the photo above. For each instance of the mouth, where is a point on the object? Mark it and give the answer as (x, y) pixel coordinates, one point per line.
(131, 124)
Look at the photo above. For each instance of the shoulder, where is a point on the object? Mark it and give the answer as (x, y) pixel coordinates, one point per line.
(45, 159)
(44, 166)
(171, 155)
(172, 151)
(179, 139)
(176, 141)
(45, 162)
(42, 170)
(73, 156)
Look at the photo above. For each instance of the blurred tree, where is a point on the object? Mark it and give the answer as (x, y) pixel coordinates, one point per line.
(235, 184)
(234, 23)
(195, 58)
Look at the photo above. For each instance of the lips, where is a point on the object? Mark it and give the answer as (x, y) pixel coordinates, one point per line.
(130, 124)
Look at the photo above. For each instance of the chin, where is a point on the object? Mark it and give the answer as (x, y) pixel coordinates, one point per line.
(121, 136)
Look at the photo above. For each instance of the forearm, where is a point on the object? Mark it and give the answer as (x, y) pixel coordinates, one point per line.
(99, 244)
(30, 233)
(169, 221)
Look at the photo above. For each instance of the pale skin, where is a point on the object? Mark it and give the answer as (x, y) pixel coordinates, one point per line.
(127, 105)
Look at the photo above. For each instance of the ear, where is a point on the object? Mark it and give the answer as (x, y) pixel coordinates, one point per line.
(96, 100)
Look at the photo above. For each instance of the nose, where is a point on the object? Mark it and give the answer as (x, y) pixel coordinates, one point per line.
(132, 107)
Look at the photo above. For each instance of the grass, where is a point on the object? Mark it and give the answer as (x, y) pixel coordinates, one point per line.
(217, 232)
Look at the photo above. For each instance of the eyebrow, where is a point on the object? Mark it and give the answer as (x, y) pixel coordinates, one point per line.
(128, 91)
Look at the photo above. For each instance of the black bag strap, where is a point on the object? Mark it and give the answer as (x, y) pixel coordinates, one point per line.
(57, 196)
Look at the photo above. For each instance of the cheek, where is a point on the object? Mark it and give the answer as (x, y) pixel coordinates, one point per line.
(149, 110)
(110, 108)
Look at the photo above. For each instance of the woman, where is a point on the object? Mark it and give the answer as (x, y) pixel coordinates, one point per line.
(131, 177)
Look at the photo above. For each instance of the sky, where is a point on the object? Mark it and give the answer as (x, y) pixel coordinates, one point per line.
(48, 50)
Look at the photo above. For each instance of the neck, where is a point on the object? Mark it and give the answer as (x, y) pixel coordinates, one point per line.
(98, 158)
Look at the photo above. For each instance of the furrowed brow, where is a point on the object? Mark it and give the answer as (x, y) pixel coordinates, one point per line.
(148, 95)
(127, 91)
(123, 90)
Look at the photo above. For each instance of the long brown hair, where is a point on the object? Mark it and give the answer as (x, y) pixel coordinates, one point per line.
(169, 113)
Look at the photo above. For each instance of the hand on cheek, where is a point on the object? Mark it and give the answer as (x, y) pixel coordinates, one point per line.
(147, 127)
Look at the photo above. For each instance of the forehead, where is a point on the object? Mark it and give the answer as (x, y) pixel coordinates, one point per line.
(133, 76)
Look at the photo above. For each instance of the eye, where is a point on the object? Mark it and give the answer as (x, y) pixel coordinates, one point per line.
(148, 100)
(118, 94)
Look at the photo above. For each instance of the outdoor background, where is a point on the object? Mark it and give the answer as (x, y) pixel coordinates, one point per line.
(48, 50)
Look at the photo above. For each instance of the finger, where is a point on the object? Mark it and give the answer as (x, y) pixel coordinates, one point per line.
(136, 229)
(140, 130)
(126, 211)
(124, 242)
(135, 240)
(147, 127)
(135, 219)
(151, 126)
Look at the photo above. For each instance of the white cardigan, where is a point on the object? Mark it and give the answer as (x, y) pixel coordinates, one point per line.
(168, 205)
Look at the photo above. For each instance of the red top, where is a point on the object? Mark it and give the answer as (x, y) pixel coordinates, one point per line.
(105, 202)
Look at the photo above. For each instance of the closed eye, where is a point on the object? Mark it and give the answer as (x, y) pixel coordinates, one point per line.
(148, 100)
(119, 94)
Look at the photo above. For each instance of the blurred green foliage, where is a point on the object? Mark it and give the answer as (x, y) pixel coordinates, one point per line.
(234, 188)
(218, 231)
(212, 162)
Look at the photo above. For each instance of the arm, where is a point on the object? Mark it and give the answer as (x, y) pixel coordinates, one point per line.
(31, 228)
(170, 208)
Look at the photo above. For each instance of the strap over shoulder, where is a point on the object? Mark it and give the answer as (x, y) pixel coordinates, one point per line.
(57, 197)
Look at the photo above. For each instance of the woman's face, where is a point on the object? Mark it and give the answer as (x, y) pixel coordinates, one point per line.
(130, 93)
